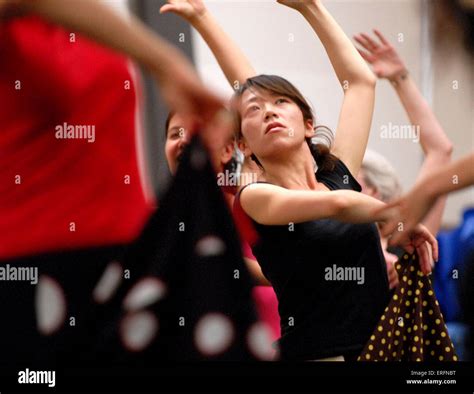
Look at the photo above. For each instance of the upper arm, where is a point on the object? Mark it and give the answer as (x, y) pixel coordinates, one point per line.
(273, 205)
(355, 119)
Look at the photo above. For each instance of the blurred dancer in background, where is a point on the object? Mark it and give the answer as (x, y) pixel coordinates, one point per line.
(377, 176)
(73, 192)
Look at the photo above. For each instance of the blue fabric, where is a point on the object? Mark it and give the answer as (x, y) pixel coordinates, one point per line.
(454, 248)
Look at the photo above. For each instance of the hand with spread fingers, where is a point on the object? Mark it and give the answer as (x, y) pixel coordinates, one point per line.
(381, 55)
(187, 9)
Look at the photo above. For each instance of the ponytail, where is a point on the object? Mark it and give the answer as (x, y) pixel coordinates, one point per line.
(324, 159)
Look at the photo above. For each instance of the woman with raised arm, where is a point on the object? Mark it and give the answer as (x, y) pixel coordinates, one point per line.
(437, 148)
(317, 244)
(437, 177)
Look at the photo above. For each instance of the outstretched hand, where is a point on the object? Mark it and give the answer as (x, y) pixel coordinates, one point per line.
(416, 237)
(381, 55)
(296, 4)
(187, 9)
(407, 212)
(420, 239)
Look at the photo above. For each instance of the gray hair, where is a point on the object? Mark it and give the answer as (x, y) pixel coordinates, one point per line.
(379, 173)
(323, 135)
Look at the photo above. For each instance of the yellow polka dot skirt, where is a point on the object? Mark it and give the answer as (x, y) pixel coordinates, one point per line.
(412, 327)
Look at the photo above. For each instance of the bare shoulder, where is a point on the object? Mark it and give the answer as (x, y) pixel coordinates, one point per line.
(259, 189)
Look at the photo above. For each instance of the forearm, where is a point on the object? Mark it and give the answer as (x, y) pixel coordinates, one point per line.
(273, 205)
(433, 219)
(231, 59)
(435, 143)
(348, 65)
(358, 208)
(456, 176)
(98, 22)
(343, 205)
(434, 160)
(433, 139)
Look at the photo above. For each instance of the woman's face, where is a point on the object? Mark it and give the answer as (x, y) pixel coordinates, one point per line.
(176, 140)
(272, 124)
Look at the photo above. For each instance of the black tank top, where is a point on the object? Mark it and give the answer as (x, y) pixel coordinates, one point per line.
(327, 307)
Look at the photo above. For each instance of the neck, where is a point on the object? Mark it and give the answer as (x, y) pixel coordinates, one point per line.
(294, 172)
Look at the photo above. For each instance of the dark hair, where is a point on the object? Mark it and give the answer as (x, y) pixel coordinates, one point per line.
(280, 86)
(455, 16)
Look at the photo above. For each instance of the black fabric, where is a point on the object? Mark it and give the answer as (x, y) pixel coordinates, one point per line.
(321, 318)
(397, 251)
(200, 281)
(75, 274)
(189, 248)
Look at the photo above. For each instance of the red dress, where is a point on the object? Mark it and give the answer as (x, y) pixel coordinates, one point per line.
(69, 163)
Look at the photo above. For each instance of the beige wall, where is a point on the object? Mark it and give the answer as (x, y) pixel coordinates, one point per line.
(455, 111)
(278, 41)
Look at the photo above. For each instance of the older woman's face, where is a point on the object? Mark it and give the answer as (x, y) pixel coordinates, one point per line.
(271, 123)
(366, 188)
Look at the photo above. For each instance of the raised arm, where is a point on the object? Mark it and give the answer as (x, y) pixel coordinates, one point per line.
(230, 57)
(355, 76)
(180, 85)
(414, 206)
(437, 148)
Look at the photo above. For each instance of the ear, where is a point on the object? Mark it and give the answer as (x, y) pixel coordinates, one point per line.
(373, 192)
(244, 148)
(376, 194)
(227, 152)
(309, 128)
